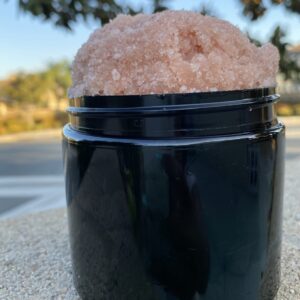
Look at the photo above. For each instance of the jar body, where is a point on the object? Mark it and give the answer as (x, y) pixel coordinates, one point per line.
(175, 219)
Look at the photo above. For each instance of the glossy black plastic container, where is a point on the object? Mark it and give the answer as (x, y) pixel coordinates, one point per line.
(175, 197)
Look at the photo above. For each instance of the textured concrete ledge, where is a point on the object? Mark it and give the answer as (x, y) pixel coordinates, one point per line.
(35, 259)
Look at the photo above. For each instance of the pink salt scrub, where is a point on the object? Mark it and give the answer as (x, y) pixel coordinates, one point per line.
(170, 52)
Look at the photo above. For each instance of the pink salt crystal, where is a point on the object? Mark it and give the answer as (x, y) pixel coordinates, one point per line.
(170, 52)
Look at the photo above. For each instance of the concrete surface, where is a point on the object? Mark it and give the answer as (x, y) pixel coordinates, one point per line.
(35, 259)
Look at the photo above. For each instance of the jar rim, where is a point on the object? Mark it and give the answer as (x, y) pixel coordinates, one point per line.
(180, 101)
(175, 115)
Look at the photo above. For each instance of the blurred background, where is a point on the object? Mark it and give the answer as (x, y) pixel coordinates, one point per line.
(38, 42)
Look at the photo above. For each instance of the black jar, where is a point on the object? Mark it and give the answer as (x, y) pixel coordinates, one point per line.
(175, 197)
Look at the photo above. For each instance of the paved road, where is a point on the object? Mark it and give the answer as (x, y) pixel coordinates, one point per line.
(31, 176)
(35, 157)
(31, 173)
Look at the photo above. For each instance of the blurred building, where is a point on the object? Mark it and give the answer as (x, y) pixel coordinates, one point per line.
(53, 103)
(3, 108)
(290, 89)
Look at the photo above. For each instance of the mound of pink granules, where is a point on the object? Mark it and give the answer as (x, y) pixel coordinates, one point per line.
(170, 52)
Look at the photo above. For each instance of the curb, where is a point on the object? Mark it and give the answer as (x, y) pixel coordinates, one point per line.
(290, 121)
(31, 135)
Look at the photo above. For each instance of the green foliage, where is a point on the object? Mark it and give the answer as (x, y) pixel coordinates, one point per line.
(27, 94)
(58, 78)
(22, 88)
(36, 88)
(67, 12)
(287, 66)
(21, 120)
(254, 9)
(254, 40)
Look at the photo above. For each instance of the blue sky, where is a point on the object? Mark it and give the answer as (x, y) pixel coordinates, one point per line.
(28, 43)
